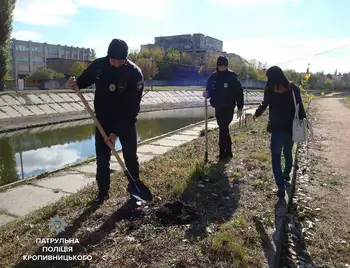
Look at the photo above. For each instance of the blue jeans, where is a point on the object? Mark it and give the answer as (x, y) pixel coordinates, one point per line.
(281, 141)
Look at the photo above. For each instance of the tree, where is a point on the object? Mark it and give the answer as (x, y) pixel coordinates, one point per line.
(93, 55)
(77, 68)
(149, 68)
(43, 74)
(6, 15)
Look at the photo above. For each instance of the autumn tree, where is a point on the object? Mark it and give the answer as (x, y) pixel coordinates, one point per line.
(77, 68)
(93, 54)
(148, 67)
(42, 74)
(6, 15)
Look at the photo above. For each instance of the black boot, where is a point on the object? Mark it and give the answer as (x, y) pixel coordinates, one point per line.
(101, 198)
(229, 153)
(222, 155)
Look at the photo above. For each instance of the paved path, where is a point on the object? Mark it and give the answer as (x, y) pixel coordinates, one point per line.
(23, 199)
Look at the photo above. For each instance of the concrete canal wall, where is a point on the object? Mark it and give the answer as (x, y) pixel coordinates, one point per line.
(21, 109)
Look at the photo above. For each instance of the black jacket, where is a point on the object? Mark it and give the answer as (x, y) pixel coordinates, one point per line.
(281, 109)
(225, 90)
(118, 92)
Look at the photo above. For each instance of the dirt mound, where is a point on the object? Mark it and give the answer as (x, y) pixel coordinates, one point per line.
(176, 213)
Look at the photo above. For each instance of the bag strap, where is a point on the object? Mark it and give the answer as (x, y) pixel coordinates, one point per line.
(296, 115)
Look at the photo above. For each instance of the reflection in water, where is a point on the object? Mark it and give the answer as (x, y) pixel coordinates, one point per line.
(8, 172)
(32, 153)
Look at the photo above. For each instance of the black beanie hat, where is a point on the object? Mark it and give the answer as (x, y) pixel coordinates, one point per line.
(222, 60)
(117, 49)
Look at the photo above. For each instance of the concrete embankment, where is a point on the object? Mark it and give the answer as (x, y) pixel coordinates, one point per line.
(22, 109)
(36, 193)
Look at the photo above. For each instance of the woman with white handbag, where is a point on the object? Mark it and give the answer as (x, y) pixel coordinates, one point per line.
(287, 122)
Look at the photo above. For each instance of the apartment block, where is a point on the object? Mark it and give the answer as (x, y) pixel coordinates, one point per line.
(194, 44)
(27, 56)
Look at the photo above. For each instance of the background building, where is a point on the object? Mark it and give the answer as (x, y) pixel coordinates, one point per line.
(194, 44)
(27, 56)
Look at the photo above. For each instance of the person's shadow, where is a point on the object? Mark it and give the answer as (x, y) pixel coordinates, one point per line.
(210, 192)
(272, 242)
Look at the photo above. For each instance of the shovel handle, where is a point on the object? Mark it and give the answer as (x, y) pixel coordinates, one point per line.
(206, 129)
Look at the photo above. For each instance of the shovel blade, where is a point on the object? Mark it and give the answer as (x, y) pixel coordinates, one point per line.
(138, 189)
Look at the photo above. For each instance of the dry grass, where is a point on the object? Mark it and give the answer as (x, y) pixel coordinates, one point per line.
(347, 100)
(228, 199)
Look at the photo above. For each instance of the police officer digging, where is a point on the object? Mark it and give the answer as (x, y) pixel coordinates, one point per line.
(119, 87)
(225, 93)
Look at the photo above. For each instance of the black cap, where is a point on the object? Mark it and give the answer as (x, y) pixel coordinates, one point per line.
(118, 49)
(222, 60)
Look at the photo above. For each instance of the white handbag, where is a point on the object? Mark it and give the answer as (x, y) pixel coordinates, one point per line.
(299, 125)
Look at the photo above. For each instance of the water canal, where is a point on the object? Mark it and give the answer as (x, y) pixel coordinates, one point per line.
(34, 151)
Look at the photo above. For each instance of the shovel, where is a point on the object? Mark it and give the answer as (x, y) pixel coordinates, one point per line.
(206, 130)
(143, 193)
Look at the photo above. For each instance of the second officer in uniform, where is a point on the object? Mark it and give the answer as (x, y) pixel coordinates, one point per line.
(225, 93)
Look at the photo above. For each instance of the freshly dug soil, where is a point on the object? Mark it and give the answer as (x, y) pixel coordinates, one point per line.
(177, 213)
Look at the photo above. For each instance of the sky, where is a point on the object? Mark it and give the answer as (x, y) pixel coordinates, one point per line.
(288, 33)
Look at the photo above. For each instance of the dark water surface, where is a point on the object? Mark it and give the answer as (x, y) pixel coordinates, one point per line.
(37, 150)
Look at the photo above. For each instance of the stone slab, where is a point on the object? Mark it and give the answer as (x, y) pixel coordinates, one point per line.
(152, 149)
(143, 158)
(89, 96)
(46, 108)
(168, 142)
(190, 133)
(213, 125)
(75, 97)
(24, 199)
(70, 183)
(5, 219)
(35, 110)
(77, 106)
(23, 110)
(34, 99)
(181, 137)
(20, 99)
(114, 165)
(91, 104)
(10, 111)
(10, 100)
(3, 115)
(46, 98)
(65, 97)
(58, 108)
(2, 102)
(56, 97)
(87, 168)
(197, 129)
(68, 107)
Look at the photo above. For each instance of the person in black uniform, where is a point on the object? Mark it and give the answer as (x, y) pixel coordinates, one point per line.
(119, 86)
(225, 93)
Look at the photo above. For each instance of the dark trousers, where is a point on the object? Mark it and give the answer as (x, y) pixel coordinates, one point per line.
(281, 141)
(128, 141)
(224, 118)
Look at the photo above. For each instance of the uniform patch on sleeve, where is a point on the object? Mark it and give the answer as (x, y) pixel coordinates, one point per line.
(140, 85)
